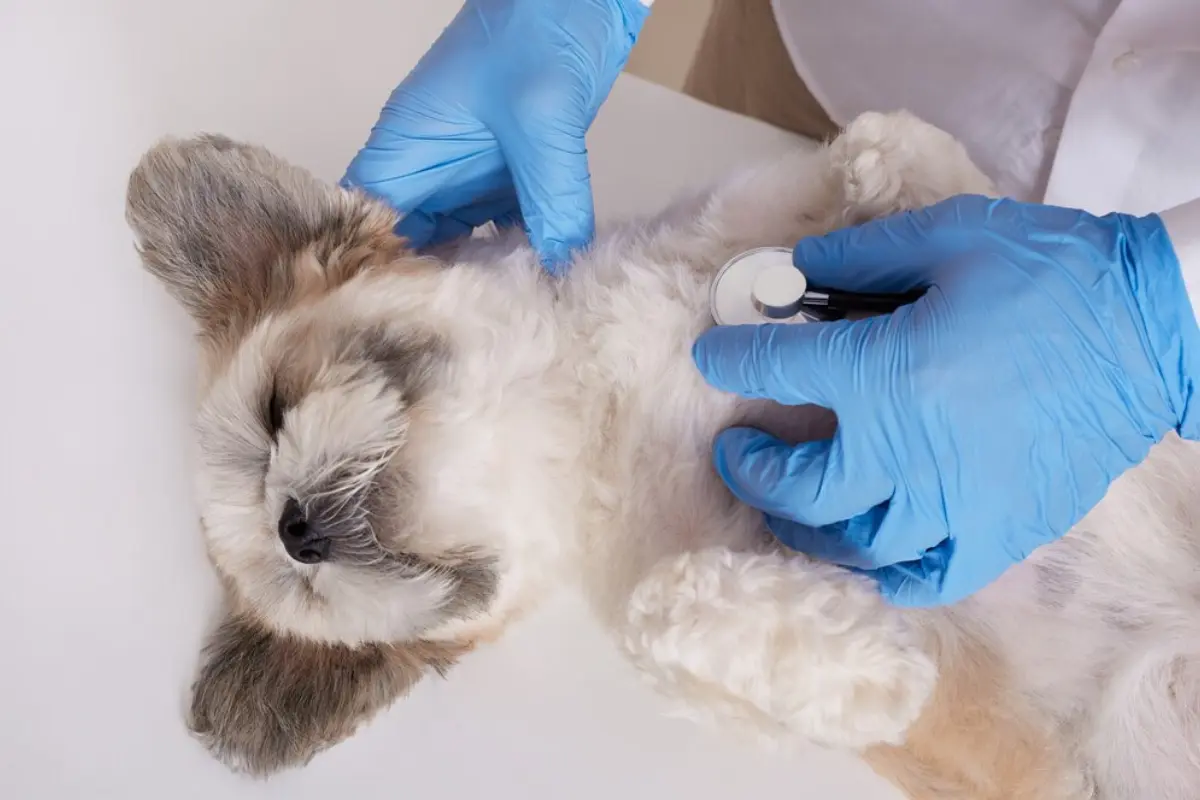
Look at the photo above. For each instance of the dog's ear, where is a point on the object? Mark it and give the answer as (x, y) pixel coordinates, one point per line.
(265, 701)
(234, 231)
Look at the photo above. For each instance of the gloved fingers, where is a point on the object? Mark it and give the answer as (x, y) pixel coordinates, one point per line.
(510, 219)
(790, 364)
(886, 535)
(549, 169)
(416, 228)
(917, 583)
(973, 563)
(842, 542)
(897, 253)
(810, 483)
(403, 173)
(436, 173)
(423, 228)
(945, 574)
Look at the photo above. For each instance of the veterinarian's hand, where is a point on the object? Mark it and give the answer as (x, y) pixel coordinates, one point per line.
(490, 124)
(1050, 351)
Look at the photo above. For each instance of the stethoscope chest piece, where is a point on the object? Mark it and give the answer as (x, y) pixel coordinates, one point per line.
(757, 287)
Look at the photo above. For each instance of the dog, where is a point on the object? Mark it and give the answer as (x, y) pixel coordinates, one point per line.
(402, 454)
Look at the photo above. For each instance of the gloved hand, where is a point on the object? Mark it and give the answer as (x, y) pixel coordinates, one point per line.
(490, 124)
(1050, 351)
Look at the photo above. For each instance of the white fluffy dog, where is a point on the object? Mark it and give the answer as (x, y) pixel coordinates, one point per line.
(400, 455)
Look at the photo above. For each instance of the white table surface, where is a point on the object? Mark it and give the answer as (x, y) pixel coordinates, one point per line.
(105, 594)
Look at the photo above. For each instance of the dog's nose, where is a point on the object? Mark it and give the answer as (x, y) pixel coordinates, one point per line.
(302, 541)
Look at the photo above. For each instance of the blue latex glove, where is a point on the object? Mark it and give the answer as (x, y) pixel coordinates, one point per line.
(1051, 350)
(490, 124)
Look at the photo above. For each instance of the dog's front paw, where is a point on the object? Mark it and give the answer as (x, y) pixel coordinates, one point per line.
(890, 162)
(780, 647)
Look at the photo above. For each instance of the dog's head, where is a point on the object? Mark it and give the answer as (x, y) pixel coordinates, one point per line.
(347, 502)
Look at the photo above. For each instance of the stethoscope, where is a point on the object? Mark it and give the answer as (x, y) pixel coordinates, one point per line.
(764, 286)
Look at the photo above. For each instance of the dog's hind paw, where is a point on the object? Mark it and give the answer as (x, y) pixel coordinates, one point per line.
(783, 649)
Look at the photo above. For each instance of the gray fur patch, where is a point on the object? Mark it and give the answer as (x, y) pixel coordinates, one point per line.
(1056, 584)
(476, 579)
(218, 222)
(409, 363)
(1122, 618)
(264, 702)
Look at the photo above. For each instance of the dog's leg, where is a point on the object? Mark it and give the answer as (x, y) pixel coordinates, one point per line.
(776, 646)
(880, 164)
(885, 163)
(976, 739)
(722, 621)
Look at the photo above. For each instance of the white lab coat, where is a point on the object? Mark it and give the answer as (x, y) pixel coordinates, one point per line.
(1092, 104)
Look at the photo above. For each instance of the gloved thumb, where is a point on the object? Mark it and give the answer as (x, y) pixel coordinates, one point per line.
(897, 253)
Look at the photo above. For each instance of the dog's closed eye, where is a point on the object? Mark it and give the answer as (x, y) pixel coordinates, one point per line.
(275, 411)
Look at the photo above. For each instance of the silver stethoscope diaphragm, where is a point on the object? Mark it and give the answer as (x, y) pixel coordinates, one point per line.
(759, 286)
(764, 286)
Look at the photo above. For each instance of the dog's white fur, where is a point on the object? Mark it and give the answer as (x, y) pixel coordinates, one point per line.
(569, 439)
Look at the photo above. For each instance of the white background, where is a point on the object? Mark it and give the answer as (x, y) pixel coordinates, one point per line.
(105, 594)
